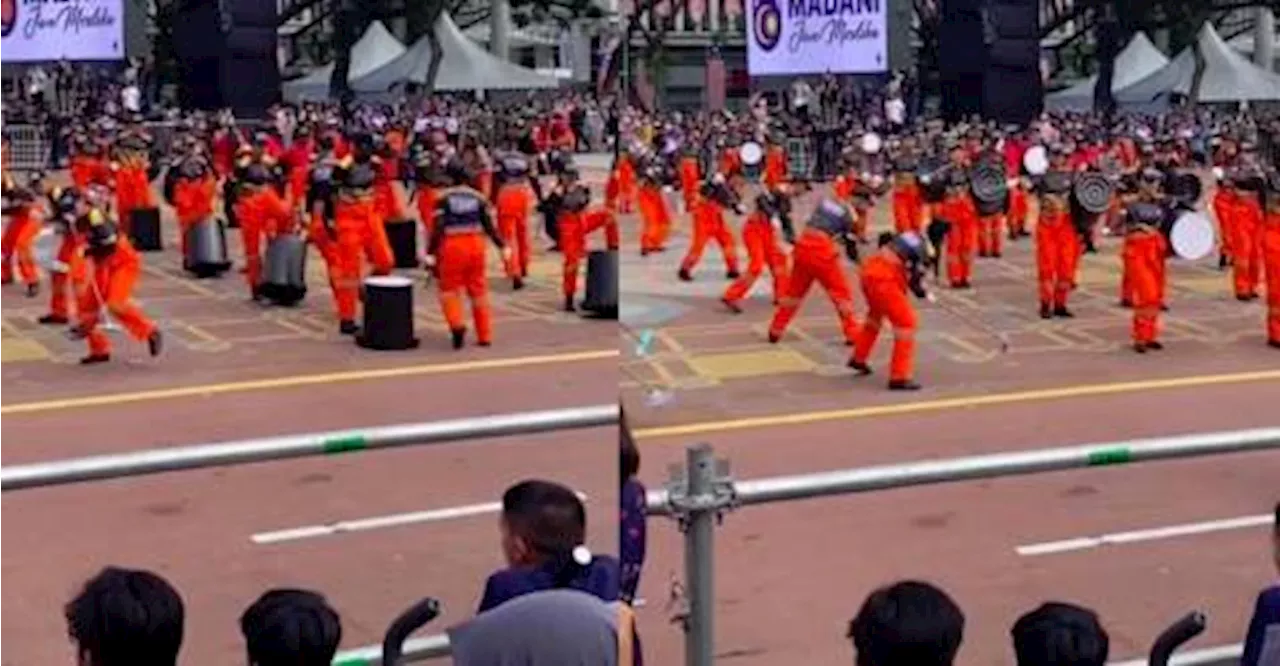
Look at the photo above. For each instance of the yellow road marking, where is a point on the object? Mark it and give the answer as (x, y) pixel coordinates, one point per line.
(955, 403)
(303, 380)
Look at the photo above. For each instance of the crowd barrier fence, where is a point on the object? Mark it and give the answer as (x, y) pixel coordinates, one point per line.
(31, 147)
(700, 492)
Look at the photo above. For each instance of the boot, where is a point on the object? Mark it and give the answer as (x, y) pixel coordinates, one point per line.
(1155, 344)
(1062, 311)
(774, 338)
(155, 343)
(568, 304)
(860, 367)
(1140, 347)
(685, 275)
(53, 319)
(517, 284)
(33, 289)
(459, 336)
(348, 327)
(903, 385)
(1046, 312)
(731, 275)
(1274, 344)
(94, 359)
(733, 307)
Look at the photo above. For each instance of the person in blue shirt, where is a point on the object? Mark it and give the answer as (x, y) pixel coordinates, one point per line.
(1262, 645)
(632, 527)
(544, 527)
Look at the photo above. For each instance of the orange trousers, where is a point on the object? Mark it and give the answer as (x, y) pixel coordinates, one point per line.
(514, 202)
(1057, 249)
(18, 243)
(602, 218)
(262, 215)
(908, 211)
(360, 235)
(1224, 205)
(192, 202)
(709, 225)
(115, 277)
(886, 299)
(763, 250)
(1271, 260)
(990, 235)
(1246, 253)
(961, 243)
(1144, 261)
(133, 192)
(655, 219)
(1017, 211)
(461, 268)
(426, 200)
(71, 284)
(573, 249)
(327, 246)
(816, 258)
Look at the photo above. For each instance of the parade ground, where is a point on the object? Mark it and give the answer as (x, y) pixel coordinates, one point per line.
(1141, 544)
(390, 527)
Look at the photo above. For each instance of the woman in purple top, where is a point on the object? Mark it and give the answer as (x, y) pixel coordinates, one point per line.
(632, 525)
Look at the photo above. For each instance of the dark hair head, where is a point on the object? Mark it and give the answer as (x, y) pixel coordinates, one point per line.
(1277, 523)
(547, 516)
(1058, 634)
(628, 454)
(910, 623)
(124, 617)
(291, 628)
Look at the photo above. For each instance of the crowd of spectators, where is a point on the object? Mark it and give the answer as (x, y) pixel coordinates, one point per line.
(554, 604)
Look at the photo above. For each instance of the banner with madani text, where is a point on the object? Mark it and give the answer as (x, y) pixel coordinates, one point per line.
(798, 37)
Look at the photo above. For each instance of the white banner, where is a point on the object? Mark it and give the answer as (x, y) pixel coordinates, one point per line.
(41, 30)
(792, 37)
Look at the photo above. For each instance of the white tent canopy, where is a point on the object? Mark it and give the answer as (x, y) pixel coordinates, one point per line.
(1228, 76)
(1139, 59)
(374, 49)
(465, 65)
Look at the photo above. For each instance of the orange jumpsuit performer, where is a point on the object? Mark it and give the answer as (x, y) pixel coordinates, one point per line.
(775, 166)
(1018, 209)
(760, 236)
(456, 252)
(1057, 243)
(133, 187)
(655, 219)
(1145, 251)
(626, 183)
(1271, 259)
(958, 209)
(570, 200)
(887, 276)
(515, 202)
(816, 258)
(87, 164)
(262, 213)
(20, 235)
(194, 191)
(115, 268)
(689, 179)
(69, 275)
(849, 188)
(1247, 258)
(1225, 199)
(909, 210)
(358, 233)
(709, 225)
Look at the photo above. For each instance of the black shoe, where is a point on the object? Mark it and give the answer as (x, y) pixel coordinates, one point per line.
(1046, 312)
(568, 304)
(685, 275)
(486, 343)
(731, 275)
(860, 366)
(1062, 311)
(517, 284)
(93, 359)
(1164, 308)
(774, 338)
(966, 285)
(644, 253)
(903, 385)
(459, 336)
(733, 307)
(1126, 303)
(51, 319)
(984, 254)
(1140, 347)
(155, 343)
(1223, 262)
(1155, 345)
(33, 290)
(996, 255)
(1273, 343)
(348, 327)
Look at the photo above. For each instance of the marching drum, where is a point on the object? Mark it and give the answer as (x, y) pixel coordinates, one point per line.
(1092, 191)
(144, 229)
(990, 189)
(752, 155)
(402, 235)
(1192, 236)
(871, 143)
(388, 314)
(602, 284)
(1035, 161)
(285, 270)
(206, 246)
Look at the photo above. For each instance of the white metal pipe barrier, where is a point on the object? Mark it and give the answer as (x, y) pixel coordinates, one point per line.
(19, 477)
(700, 492)
(417, 649)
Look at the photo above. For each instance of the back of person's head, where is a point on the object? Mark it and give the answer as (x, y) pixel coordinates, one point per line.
(290, 628)
(909, 623)
(629, 455)
(124, 617)
(542, 521)
(1276, 534)
(1059, 634)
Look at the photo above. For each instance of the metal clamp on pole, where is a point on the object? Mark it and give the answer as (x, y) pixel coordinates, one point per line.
(698, 494)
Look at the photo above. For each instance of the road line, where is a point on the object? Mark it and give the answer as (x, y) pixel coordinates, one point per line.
(1138, 536)
(205, 390)
(379, 522)
(969, 401)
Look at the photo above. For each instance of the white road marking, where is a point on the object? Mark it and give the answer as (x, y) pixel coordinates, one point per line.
(379, 522)
(1136, 536)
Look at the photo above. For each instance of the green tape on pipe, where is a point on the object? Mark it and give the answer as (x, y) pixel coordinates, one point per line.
(352, 662)
(345, 444)
(1110, 456)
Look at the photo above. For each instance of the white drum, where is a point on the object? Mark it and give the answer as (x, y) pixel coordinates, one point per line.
(1192, 236)
(1035, 160)
(752, 154)
(871, 143)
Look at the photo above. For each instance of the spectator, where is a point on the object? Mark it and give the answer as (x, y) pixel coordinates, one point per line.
(544, 527)
(1262, 645)
(124, 617)
(1058, 634)
(546, 628)
(632, 525)
(290, 628)
(907, 624)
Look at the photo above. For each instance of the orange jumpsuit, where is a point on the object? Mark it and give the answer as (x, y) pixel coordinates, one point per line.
(1017, 211)
(689, 179)
(844, 189)
(193, 202)
(760, 237)
(1247, 256)
(19, 241)
(908, 209)
(458, 244)
(1057, 247)
(709, 225)
(963, 239)
(1224, 203)
(426, 198)
(1145, 250)
(816, 258)
(655, 219)
(72, 281)
(262, 212)
(360, 234)
(775, 167)
(603, 218)
(115, 276)
(991, 235)
(626, 183)
(885, 285)
(515, 200)
(87, 169)
(1271, 259)
(133, 190)
(384, 192)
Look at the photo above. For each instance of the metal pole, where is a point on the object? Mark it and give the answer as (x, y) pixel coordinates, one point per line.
(699, 555)
(418, 649)
(842, 482)
(298, 446)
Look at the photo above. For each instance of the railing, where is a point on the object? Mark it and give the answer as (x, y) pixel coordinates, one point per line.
(31, 147)
(701, 491)
(20, 477)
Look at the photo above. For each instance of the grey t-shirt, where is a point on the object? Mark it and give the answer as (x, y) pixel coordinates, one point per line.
(551, 628)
